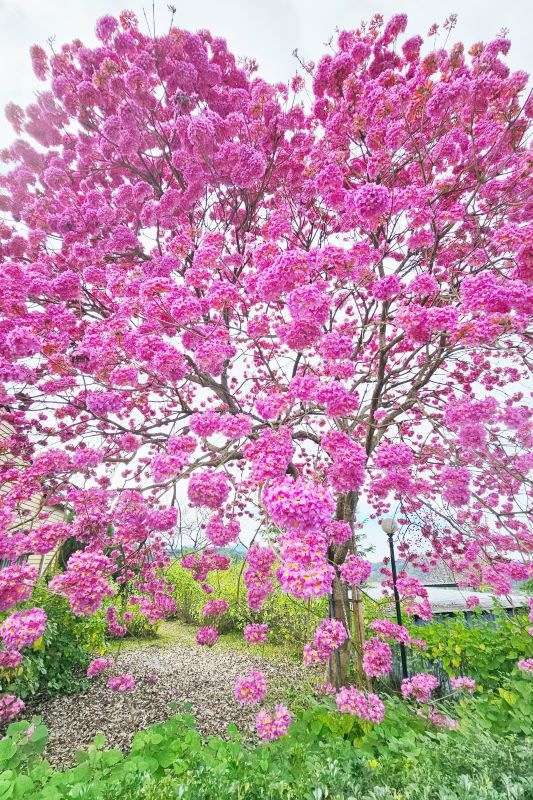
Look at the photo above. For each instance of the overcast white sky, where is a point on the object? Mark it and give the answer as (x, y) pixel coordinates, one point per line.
(267, 30)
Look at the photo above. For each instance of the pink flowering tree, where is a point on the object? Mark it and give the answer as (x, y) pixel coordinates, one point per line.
(215, 294)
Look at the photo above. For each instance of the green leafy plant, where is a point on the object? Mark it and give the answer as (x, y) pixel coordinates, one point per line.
(57, 662)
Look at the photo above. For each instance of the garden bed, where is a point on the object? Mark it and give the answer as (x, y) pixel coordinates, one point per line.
(184, 673)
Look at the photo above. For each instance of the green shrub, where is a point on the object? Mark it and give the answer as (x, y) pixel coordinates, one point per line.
(484, 650)
(57, 662)
(313, 762)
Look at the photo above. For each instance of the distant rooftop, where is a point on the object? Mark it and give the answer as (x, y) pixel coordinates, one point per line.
(445, 599)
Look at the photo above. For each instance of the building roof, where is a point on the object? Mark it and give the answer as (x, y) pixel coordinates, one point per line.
(446, 599)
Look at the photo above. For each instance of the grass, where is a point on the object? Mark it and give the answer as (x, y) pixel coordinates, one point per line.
(174, 632)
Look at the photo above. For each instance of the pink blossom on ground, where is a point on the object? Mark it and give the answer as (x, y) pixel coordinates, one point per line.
(273, 726)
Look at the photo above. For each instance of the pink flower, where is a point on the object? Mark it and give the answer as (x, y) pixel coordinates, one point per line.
(419, 686)
(121, 683)
(256, 633)
(9, 659)
(355, 570)
(468, 684)
(369, 201)
(208, 488)
(10, 707)
(273, 726)
(97, 666)
(525, 664)
(377, 658)
(366, 706)
(206, 635)
(23, 628)
(215, 608)
(250, 689)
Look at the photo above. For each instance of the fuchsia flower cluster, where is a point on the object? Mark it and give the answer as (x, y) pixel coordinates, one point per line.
(23, 628)
(272, 726)
(377, 658)
(250, 689)
(121, 683)
(419, 686)
(255, 633)
(98, 665)
(207, 635)
(329, 635)
(217, 316)
(365, 706)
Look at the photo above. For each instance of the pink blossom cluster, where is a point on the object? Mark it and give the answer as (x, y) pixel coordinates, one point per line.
(525, 664)
(10, 707)
(250, 689)
(347, 470)
(9, 659)
(442, 720)
(456, 483)
(391, 630)
(23, 628)
(206, 635)
(220, 534)
(215, 608)
(366, 706)
(368, 201)
(121, 683)
(209, 561)
(419, 687)
(16, 584)
(468, 684)
(85, 582)
(114, 626)
(269, 455)
(273, 726)
(255, 633)
(304, 571)
(329, 635)
(338, 532)
(208, 488)
(98, 665)
(257, 575)
(298, 505)
(355, 570)
(377, 658)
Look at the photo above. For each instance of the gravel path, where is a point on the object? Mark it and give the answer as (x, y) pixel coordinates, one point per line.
(202, 676)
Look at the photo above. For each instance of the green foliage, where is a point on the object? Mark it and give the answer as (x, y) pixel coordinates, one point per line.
(483, 650)
(325, 755)
(504, 709)
(291, 622)
(57, 662)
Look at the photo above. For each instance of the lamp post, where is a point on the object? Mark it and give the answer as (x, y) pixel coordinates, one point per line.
(390, 526)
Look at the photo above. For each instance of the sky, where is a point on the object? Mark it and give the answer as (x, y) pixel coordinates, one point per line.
(267, 30)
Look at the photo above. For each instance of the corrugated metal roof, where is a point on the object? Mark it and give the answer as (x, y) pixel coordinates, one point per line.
(445, 599)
